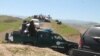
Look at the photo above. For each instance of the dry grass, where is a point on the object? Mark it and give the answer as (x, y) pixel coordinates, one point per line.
(66, 31)
(25, 50)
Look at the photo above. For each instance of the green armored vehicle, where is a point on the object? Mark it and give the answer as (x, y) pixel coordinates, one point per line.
(43, 38)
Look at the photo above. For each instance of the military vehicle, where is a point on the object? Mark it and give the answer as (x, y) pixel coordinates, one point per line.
(45, 38)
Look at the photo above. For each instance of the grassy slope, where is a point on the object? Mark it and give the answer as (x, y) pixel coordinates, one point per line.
(8, 22)
(13, 25)
(66, 31)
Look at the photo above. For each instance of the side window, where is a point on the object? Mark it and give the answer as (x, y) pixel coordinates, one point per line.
(44, 35)
(93, 32)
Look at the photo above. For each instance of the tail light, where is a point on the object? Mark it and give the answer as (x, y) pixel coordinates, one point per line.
(80, 43)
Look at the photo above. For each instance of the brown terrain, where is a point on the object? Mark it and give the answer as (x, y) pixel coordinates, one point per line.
(26, 50)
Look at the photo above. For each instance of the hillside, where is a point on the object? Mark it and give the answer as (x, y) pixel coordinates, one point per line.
(4, 18)
(67, 31)
(80, 25)
(9, 22)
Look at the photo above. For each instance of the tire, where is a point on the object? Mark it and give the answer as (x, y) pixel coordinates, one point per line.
(70, 51)
(6, 37)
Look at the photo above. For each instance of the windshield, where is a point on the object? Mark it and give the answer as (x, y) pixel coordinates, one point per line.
(93, 32)
(36, 21)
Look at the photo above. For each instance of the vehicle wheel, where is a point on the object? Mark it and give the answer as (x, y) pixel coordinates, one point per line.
(70, 51)
(9, 38)
(6, 37)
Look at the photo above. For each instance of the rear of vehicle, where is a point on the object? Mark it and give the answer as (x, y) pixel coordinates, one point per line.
(47, 20)
(91, 39)
(89, 43)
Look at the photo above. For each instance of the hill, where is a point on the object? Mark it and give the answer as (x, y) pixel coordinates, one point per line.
(81, 26)
(5, 18)
(9, 22)
(63, 29)
(84, 24)
(67, 31)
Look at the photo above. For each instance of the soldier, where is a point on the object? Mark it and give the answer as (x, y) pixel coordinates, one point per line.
(31, 29)
(24, 26)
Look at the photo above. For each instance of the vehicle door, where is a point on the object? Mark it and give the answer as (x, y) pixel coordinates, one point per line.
(44, 38)
(57, 41)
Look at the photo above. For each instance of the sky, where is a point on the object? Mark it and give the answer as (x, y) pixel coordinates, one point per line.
(86, 10)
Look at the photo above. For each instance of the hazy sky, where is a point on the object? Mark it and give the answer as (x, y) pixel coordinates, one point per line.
(87, 10)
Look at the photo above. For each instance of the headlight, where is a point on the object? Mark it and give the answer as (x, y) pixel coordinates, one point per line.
(10, 37)
(58, 43)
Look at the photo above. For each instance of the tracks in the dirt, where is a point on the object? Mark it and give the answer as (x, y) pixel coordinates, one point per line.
(26, 50)
(4, 51)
